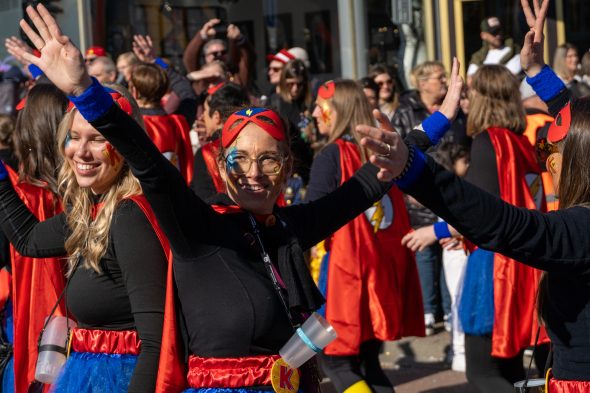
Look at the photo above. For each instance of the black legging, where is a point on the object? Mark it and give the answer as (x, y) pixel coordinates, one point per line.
(491, 374)
(345, 371)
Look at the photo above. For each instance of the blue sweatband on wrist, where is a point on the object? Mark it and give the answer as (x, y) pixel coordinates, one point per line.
(435, 126)
(415, 170)
(546, 84)
(161, 63)
(441, 230)
(94, 102)
(3, 171)
(35, 71)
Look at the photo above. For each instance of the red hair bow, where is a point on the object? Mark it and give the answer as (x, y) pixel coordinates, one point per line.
(326, 91)
(252, 115)
(561, 125)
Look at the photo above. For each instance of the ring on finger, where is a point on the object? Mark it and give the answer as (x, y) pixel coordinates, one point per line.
(388, 151)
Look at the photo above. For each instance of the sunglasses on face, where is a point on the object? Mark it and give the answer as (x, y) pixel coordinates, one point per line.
(217, 54)
(387, 82)
(275, 69)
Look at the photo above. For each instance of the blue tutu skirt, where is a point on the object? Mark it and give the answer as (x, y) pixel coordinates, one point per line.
(95, 373)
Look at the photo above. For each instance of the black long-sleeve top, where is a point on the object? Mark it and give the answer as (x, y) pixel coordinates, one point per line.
(181, 86)
(130, 292)
(227, 300)
(556, 242)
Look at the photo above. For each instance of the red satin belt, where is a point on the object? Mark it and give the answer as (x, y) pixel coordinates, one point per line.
(230, 372)
(562, 386)
(123, 342)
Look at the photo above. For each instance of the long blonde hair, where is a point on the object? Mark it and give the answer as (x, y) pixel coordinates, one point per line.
(89, 229)
(352, 109)
(494, 101)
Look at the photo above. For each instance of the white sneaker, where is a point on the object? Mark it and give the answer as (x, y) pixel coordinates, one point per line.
(429, 324)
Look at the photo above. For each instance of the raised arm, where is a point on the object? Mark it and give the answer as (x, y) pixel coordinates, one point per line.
(175, 205)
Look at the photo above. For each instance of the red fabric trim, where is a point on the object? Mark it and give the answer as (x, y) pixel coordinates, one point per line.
(373, 286)
(515, 284)
(170, 134)
(210, 153)
(124, 342)
(230, 372)
(36, 285)
(561, 386)
(171, 369)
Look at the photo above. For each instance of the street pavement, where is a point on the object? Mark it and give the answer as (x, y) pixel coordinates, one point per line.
(416, 365)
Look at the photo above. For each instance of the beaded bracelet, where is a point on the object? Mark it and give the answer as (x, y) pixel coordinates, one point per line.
(408, 163)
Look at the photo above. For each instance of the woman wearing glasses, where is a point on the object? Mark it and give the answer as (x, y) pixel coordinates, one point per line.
(241, 276)
(388, 94)
(369, 279)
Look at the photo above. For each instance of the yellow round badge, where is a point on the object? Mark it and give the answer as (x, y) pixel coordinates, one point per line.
(284, 378)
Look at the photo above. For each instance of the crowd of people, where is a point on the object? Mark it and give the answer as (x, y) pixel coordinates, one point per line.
(188, 225)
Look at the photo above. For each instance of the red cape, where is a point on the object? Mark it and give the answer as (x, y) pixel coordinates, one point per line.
(36, 285)
(373, 289)
(515, 284)
(170, 134)
(172, 368)
(210, 152)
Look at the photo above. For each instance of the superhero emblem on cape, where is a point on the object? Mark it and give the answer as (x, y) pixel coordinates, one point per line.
(535, 186)
(380, 215)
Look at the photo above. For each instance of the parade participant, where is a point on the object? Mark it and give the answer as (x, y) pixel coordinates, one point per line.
(554, 242)
(371, 90)
(388, 94)
(103, 69)
(566, 63)
(370, 280)
(117, 277)
(36, 284)
(169, 132)
(125, 63)
(222, 100)
(275, 68)
(234, 338)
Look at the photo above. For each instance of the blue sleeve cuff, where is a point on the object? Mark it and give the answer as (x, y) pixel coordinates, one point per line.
(35, 71)
(546, 84)
(415, 170)
(3, 171)
(94, 102)
(441, 230)
(435, 126)
(161, 63)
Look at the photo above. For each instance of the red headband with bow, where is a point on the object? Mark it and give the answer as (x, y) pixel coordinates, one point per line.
(256, 116)
(327, 90)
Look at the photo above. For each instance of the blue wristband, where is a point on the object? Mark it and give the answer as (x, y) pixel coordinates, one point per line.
(441, 230)
(94, 102)
(546, 84)
(435, 126)
(161, 63)
(307, 341)
(415, 170)
(35, 71)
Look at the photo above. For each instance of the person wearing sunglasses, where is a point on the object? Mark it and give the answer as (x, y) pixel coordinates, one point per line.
(239, 267)
(388, 93)
(237, 53)
(555, 242)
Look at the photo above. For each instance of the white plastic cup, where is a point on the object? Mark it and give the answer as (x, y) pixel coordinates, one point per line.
(536, 385)
(50, 362)
(312, 337)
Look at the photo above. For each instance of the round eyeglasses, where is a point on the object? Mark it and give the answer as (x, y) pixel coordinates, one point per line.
(239, 163)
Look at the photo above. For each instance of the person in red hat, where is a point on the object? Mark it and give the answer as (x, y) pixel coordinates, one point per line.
(275, 66)
(93, 52)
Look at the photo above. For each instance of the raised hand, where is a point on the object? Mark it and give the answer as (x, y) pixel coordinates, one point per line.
(144, 48)
(207, 32)
(450, 105)
(531, 55)
(16, 47)
(60, 60)
(389, 152)
(233, 32)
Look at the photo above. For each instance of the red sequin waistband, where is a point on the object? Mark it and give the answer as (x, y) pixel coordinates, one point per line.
(230, 372)
(123, 342)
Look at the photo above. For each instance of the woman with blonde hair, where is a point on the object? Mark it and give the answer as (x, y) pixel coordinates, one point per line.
(369, 279)
(116, 278)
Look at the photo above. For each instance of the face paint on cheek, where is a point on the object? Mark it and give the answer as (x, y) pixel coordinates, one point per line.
(67, 140)
(230, 159)
(326, 113)
(111, 154)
